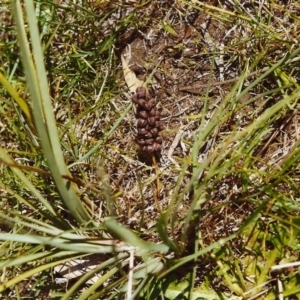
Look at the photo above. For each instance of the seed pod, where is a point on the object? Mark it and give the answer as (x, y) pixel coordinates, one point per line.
(156, 147)
(142, 131)
(151, 121)
(150, 104)
(154, 131)
(141, 92)
(141, 122)
(157, 115)
(148, 135)
(152, 112)
(142, 114)
(149, 142)
(135, 99)
(148, 148)
(142, 103)
(158, 140)
(158, 125)
(141, 142)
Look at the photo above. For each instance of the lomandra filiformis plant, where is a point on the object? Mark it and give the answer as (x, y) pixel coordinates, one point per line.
(148, 122)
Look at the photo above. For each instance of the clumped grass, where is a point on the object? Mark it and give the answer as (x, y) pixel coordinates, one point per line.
(86, 215)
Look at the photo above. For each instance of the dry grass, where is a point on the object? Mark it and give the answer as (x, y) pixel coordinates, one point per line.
(229, 165)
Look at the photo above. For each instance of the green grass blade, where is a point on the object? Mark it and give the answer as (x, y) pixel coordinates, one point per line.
(20, 101)
(43, 110)
(4, 157)
(129, 237)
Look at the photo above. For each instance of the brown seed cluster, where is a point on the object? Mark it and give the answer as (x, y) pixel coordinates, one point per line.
(148, 122)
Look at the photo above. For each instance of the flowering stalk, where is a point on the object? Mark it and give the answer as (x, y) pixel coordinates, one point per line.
(148, 122)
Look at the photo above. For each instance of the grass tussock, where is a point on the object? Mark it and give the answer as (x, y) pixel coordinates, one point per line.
(86, 214)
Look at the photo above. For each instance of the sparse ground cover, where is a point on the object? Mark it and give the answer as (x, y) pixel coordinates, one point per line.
(85, 214)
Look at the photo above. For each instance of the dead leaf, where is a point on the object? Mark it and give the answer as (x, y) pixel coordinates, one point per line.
(78, 267)
(130, 78)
